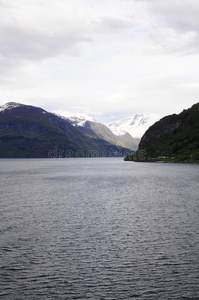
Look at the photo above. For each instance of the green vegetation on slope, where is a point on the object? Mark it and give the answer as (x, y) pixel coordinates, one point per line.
(174, 138)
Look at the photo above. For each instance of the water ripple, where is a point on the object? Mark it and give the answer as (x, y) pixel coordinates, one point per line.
(98, 229)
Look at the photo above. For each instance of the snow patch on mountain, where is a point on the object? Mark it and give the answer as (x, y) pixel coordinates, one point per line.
(9, 105)
(135, 125)
(77, 119)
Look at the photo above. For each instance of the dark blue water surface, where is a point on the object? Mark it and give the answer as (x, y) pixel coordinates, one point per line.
(98, 229)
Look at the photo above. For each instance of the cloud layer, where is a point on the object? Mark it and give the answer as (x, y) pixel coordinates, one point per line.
(105, 58)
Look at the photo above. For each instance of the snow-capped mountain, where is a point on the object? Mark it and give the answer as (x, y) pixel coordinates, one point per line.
(126, 132)
(29, 131)
(122, 130)
(95, 129)
(9, 105)
(77, 119)
(135, 125)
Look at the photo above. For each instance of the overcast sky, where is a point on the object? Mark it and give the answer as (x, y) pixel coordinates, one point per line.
(107, 58)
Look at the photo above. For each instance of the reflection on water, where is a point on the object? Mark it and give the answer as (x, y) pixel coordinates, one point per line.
(98, 229)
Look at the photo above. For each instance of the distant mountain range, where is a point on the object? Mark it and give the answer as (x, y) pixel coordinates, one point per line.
(173, 138)
(94, 129)
(28, 131)
(135, 125)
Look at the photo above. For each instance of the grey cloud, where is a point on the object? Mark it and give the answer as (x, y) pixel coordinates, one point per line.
(179, 15)
(19, 44)
(175, 25)
(115, 24)
(21, 41)
(22, 44)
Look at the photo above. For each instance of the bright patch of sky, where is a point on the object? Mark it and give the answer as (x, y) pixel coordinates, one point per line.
(109, 58)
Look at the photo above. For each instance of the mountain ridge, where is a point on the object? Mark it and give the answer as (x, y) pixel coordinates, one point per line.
(126, 132)
(93, 128)
(29, 131)
(135, 125)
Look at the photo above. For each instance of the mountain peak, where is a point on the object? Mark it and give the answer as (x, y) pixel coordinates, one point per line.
(77, 119)
(10, 105)
(136, 125)
(91, 127)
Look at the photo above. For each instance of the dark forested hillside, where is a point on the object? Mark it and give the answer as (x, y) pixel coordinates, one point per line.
(173, 138)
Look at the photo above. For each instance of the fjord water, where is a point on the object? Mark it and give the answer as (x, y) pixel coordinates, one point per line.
(98, 229)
